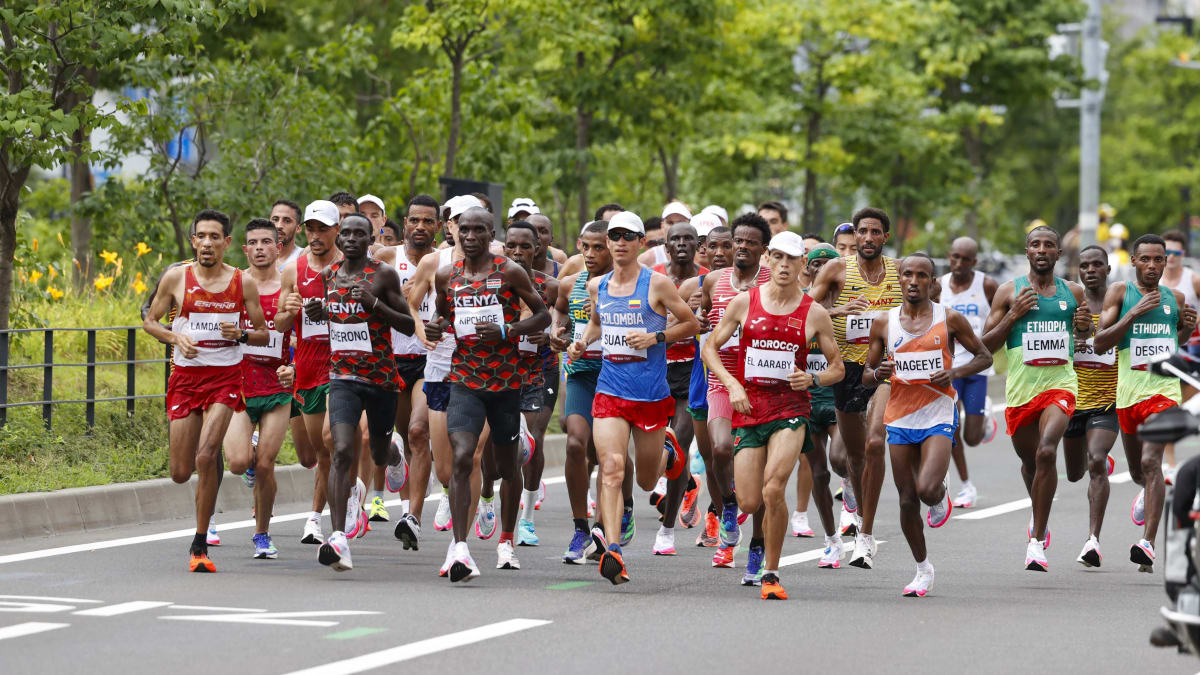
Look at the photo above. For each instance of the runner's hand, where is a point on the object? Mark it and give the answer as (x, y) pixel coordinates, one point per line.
(185, 345)
(557, 342)
(1025, 301)
(639, 339)
(705, 326)
(885, 370)
(287, 375)
(488, 332)
(1189, 318)
(1148, 302)
(540, 338)
(293, 304)
(575, 350)
(696, 300)
(855, 306)
(314, 310)
(433, 334)
(362, 293)
(1080, 345)
(738, 399)
(1083, 319)
(230, 330)
(800, 380)
(942, 378)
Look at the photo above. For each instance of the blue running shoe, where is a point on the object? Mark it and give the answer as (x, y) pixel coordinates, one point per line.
(526, 536)
(754, 567)
(628, 527)
(248, 477)
(576, 550)
(697, 466)
(264, 548)
(731, 534)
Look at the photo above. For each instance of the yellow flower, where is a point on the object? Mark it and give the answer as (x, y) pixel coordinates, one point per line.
(60, 239)
(142, 249)
(34, 276)
(53, 271)
(35, 244)
(54, 292)
(120, 265)
(110, 257)
(102, 282)
(139, 287)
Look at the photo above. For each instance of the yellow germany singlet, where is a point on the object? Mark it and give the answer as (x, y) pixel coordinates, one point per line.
(853, 332)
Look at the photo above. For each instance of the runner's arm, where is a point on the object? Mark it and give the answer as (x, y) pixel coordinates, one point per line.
(828, 282)
(593, 330)
(393, 307)
(999, 321)
(962, 333)
(989, 288)
(418, 287)
(876, 352)
(664, 293)
(160, 304)
(572, 267)
(258, 337)
(539, 316)
(735, 314)
(822, 324)
(562, 314)
(443, 313)
(1112, 325)
(285, 316)
(1187, 318)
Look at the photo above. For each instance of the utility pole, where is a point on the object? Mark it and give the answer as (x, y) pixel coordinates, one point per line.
(1091, 99)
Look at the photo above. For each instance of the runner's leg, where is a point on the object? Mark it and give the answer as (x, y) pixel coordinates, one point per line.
(905, 463)
(612, 440)
(272, 428)
(874, 468)
(1150, 463)
(819, 477)
(209, 465)
(1099, 443)
(420, 460)
(783, 450)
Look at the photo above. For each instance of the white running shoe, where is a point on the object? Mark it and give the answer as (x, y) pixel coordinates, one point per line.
(966, 496)
(1142, 553)
(1035, 557)
(1029, 533)
(664, 541)
(354, 507)
(211, 537)
(506, 558)
(849, 501)
(312, 532)
(800, 526)
(921, 584)
(850, 522)
(442, 520)
(1137, 512)
(395, 476)
(537, 506)
(939, 514)
(864, 551)
(831, 558)
(1090, 555)
(485, 518)
(591, 504)
(462, 567)
(336, 553)
(659, 491)
(527, 442)
(444, 571)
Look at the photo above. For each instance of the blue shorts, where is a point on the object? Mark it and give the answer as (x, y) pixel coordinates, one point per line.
(581, 389)
(698, 387)
(437, 394)
(972, 391)
(902, 436)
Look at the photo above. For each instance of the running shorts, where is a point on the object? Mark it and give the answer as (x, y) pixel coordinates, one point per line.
(257, 406)
(1084, 421)
(553, 380)
(312, 401)
(190, 391)
(823, 416)
(531, 398)
(972, 391)
(645, 415)
(758, 435)
(718, 404)
(410, 369)
(437, 395)
(905, 436)
(1017, 417)
(581, 390)
(850, 395)
(470, 407)
(1132, 417)
(349, 399)
(699, 414)
(679, 379)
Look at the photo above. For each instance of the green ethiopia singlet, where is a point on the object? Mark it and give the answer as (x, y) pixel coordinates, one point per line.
(1040, 346)
(579, 316)
(1151, 334)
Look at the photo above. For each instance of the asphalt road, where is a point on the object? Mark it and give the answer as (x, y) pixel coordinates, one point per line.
(129, 606)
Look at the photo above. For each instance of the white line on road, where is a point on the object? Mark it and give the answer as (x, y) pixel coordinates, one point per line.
(45, 598)
(274, 618)
(797, 558)
(121, 608)
(997, 510)
(29, 628)
(207, 608)
(414, 650)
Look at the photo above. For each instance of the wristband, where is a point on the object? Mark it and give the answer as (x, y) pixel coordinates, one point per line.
(376, 303)
(503, 331)
(816, 379)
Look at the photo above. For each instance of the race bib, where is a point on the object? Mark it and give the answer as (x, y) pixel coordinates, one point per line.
(817, 363)
(1046, 349)
(425, 311)
(616, 348)
(465, 318)
(270, 353)
(205, 328)
(733, 341)
(1088, 358)
(349, 337)
(918, 366)
(524, 345)
(313, 330)
(1143, 350)
(593, 350)
(858, 328)
(768, 366)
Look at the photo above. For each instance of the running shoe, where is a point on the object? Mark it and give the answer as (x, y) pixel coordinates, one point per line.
(723, 557)
(848, 499)
(1090, 555)
(831, 557)
(1142, 553)
(1046, 541)
(1035, 557)
(992, 425)
(742, 516)
(506, 558)
(659, 492)
(1168, 473)
(485, 518)
(754, 567)
(442, 520)
(211, 537)
(199, 562)
(1138, 511)
(396, 475)
(248, 477)
(689, 510)
(696, 465)
(800, 526)
(676, 456)
(921, 584)
(408, 530)
(939, 514)
(966, 496)
(708, 536)
(628, 527)
(598, 544)
(264, 548)
(463, 567)
(838, 494)
(864, 551)
(730, 533)
(537, 506)
(526, 534)
(576, 550)
(445, 569)
(354, 508)
(378, 512)
(612, 566)
(1112, 464)
(312, 532)
(771, 589)
(849, 523)
(664, 541)
(591, 504)
(527, 442)
(336, 553)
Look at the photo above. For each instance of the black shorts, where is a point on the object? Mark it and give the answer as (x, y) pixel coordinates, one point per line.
(532, 398)
(470, 407)
(679, 379)
(553, 379)
(348, 399)
(437, 395)
(1084, 421)
(410, 369)
(849, 395)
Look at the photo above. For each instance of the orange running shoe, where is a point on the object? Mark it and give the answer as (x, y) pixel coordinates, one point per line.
(201, 563)
(678, 460)
(689, 512)
(712, 526)
(723, 557)
(612, 567)
(771, 590)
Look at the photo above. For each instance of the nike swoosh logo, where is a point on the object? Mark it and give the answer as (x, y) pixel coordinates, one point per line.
(606, 304)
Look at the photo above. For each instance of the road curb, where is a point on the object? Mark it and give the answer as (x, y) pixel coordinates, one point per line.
(44, 514)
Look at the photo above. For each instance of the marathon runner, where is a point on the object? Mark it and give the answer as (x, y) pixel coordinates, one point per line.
(911, 346)
(1143, 323)
(1032, 316)
(632, 395)
(776, 215)
(362, 300)
(285, 216)
(524, 208)
(478, 296)
(969, 292)
(845, 241)
(1181, 278)
(574, 264)
(391, 234)
(205, 386)
(865, 284)
(776, 321)
(1093, 428)
(346, 203)
(656, 252)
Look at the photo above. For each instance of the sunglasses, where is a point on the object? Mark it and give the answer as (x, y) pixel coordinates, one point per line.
(1174, 253)
(843, 228)
(618, 235)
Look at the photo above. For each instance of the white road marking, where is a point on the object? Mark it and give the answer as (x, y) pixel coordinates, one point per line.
(121, 608)
(274, 618)
(45, 598)
(29, 628)
(420, 648)
(998, 510)
(797, 558)
(207, 608)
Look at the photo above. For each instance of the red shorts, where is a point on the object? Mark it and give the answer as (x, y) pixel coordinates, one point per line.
(1017, 417)
(198, 387)
(1132, 417)
(645, 415)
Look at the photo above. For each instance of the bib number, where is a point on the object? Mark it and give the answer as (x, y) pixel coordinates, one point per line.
(313, 330)
(593, 349)
(1143, 350)
(768, 366)
(350, 337)
(733, 341)
(205, 328)
(617, 349)
(817, 363)
(858, 328)
(918, 366)
(1045, 349)
(1088, 358)
(465, 318)
(270, 353)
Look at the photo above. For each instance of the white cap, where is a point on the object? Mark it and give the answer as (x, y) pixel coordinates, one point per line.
(676, 208)
(627, 220)
(523, 204)
(717, 211)
(704, 222)
(372, 199)
(787, 242)
(455, 206)
(322, 211)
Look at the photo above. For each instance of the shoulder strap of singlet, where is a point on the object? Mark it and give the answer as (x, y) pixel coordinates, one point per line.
(893, 328)
(555, 263)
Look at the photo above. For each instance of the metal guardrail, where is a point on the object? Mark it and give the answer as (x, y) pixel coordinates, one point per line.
(48, 365)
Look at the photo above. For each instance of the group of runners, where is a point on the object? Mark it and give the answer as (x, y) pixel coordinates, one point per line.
(391, 357)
